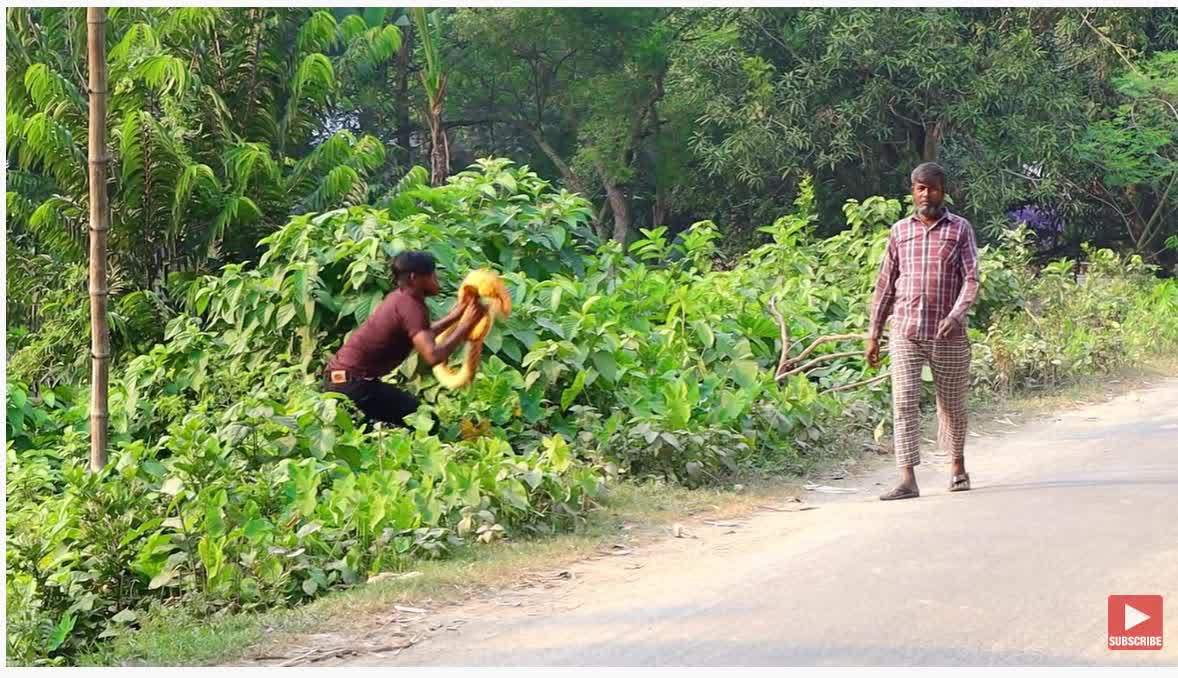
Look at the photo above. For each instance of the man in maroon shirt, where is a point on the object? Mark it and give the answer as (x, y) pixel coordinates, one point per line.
(399, 325)
(927, 283)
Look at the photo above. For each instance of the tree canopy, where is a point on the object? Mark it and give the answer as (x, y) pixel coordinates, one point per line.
(224, 122)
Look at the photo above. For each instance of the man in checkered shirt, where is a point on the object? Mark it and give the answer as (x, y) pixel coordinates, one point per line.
(927, 283)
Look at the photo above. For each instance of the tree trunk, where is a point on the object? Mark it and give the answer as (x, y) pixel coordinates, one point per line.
(932, 142)
(1153, 227)
(572, 181)
(619, 204)
(659, 213)
(99, 334)
(404, 137)
(439, 146)
(599, 226)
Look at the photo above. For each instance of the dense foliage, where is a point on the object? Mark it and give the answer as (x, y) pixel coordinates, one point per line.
(234, 483)
(224, 121)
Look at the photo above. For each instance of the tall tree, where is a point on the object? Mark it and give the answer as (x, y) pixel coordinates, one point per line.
(434, 79)
(222, 126)
(582, 86)
(1134, 154)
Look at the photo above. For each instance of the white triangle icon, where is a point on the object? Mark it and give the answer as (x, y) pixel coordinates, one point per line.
(1133, 617)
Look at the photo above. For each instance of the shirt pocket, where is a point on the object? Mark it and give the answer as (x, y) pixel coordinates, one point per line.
(909, 246)
(947, 248)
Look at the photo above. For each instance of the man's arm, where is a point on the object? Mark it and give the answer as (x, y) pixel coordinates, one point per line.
(969, 269)
(449, 319)
(434, 352)
(885, 290)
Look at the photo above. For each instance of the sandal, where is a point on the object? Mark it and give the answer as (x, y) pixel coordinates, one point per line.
(959, 483)
(899, 493)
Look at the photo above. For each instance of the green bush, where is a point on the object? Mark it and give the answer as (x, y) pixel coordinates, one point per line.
(235, 484)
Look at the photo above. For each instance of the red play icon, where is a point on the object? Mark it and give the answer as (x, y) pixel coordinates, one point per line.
(1134, 622)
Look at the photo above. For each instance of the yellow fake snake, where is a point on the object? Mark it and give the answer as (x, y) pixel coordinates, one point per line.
(485, 285)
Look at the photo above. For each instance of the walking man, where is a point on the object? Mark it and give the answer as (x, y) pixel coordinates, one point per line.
(927, 283)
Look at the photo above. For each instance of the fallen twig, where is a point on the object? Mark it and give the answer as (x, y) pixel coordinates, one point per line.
(786, 509)
(295, 660)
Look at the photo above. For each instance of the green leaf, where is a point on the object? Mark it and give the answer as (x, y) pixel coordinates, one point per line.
(745, 373)
(493, 341)
(558, 235)
(56, 557)
(606, 365)
(679, 404)
(375, 16)
(169, 572)
(558, 453)
(704, 331)
(256, 528)
(511, 349)
(125, 616)
(568, 395)
(172, 486)
(507, 181)
(515, 494)
(61, 631)
(286, 313)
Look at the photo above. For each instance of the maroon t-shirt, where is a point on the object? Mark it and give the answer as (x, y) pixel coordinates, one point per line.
(385, 339)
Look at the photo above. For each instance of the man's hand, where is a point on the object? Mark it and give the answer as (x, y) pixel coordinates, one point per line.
(947, 326)
(480, 311)
(461, 305)
(872, 353)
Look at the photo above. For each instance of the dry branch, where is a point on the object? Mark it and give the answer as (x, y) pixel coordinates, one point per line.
(784, 327)
(822, 340)
(816, 362)
(787, 366)
(865, 382)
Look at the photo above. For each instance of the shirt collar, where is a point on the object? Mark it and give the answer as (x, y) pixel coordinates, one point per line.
(944, 218)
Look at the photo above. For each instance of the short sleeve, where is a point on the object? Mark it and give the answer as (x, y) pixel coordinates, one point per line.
(414, 316)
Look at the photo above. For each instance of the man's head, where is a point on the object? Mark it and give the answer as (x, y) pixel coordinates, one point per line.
(416, 271)
(928, 190)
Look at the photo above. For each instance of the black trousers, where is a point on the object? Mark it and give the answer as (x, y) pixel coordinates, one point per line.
(377, 400)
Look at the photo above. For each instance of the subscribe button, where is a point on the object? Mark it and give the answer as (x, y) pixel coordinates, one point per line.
(1134, 622)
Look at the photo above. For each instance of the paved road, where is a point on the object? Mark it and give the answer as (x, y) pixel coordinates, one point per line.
(1064, 512)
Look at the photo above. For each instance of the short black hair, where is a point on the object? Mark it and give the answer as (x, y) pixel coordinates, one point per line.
(928, 172)
(412, 262)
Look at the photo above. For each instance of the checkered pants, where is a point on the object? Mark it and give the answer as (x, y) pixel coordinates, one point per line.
(949, 362)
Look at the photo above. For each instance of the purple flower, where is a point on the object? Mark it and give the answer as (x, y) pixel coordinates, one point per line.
(1047, 224)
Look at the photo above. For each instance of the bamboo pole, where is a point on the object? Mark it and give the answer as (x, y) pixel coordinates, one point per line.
(99, 215)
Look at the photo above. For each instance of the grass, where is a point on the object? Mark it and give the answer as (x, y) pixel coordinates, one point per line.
(633, 513)
(1079, 391)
